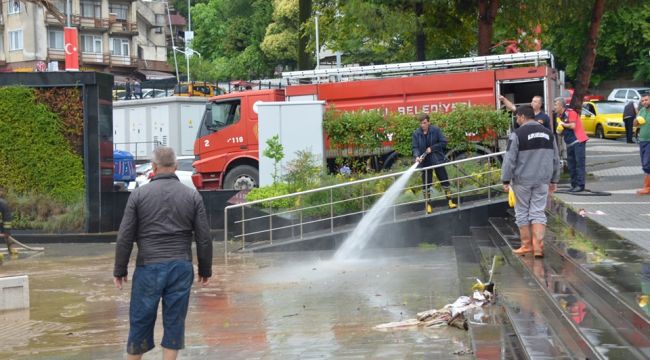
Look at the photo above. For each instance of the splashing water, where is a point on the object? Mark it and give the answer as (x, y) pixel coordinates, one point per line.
(355, 242)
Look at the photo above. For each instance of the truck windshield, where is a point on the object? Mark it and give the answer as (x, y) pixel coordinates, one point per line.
(223, 114)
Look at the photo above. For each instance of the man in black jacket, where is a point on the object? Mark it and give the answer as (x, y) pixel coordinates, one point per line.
(429, 146)
(629, 114)
(162, 217)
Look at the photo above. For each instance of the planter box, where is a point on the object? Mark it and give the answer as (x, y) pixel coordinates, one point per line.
(14, 292)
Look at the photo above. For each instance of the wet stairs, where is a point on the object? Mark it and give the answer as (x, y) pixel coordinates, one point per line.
(559, 307)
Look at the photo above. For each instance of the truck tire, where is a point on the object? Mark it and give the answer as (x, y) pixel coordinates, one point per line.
(242, 177)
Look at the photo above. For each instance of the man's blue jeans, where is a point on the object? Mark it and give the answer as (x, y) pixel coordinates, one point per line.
(576, 162)
(170, 281)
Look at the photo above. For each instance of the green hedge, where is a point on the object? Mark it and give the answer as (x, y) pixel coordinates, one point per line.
(35, 156)
(366, 130)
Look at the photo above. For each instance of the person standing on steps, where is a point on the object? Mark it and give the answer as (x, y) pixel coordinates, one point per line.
(531, 166)
(163, 218)
(575, 138)
(429, 145)
(644, 141)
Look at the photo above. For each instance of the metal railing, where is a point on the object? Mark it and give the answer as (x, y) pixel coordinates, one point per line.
(323, 210)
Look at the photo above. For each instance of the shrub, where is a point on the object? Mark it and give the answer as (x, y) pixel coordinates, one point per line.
(359, 133)
(34, 154)
(39, 211)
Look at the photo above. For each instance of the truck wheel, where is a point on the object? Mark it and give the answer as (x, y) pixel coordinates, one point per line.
(599, 132)
(242, 177)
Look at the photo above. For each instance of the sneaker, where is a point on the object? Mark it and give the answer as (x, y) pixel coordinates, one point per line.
(576, 189)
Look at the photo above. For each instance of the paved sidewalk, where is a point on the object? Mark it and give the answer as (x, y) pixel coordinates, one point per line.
(614, 167)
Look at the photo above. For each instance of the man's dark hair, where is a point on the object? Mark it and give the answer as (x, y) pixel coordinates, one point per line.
(527, 111)
(422, 116)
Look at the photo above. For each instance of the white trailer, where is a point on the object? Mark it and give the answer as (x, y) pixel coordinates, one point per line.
(139, 125)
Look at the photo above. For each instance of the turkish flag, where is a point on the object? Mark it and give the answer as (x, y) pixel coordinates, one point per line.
(71, 47)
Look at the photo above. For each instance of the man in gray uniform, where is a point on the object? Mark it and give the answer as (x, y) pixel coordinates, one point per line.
(162, 217)
(532, 167)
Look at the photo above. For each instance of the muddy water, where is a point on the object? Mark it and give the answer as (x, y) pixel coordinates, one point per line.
(270, 306)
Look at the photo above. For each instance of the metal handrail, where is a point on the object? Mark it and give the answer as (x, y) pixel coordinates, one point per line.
(456, 180)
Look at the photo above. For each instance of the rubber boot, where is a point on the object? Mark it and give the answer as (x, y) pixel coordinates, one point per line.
(10, 248)
(538, 231)
(526, 241)
(427, 196)
(646, 186)
(450, 202)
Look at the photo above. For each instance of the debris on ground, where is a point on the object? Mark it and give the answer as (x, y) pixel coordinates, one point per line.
(449, 315)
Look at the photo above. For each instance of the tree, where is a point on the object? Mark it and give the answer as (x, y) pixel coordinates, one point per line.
(304, 14)
(376, 31)
(229, 34)
(487, 12)
(588, 55)
(280, 43)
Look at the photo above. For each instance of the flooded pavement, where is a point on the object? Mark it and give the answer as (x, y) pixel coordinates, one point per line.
(264, 306)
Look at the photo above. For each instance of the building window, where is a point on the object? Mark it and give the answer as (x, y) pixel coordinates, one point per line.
(14, 7)
(91, 9)
(160, 20)
(120, 47)
(91, 44)
(121, 10)
(15, 40)
(55, 39)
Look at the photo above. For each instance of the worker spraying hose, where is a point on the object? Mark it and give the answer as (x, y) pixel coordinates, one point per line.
(429, 145)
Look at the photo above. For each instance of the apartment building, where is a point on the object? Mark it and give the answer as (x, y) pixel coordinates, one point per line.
(123, 37)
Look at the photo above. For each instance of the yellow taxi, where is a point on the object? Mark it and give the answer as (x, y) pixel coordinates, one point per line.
(197, 89)
(603, 119)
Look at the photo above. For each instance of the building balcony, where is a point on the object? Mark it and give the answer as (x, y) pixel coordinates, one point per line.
(124, 28)
(154, 65)
(95, 58)
(90, 23)
(55, 54)
(123, 61)
(52, 20)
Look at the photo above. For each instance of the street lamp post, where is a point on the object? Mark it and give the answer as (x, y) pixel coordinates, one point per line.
(188, 39)
(317, 41)
(171, 34)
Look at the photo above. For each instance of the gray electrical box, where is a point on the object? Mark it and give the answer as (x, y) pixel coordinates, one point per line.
(299, 124)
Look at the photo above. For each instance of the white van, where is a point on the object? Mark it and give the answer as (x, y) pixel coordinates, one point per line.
(627, 94)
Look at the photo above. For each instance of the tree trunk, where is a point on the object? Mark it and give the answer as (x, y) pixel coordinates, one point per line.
(583, 74)
(304, 58)
(487, 12)
(420, 40)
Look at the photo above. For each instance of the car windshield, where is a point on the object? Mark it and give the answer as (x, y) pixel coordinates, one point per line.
(143, 168)
(610, 108)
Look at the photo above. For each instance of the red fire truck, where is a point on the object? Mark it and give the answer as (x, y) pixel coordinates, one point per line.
(227, 146)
